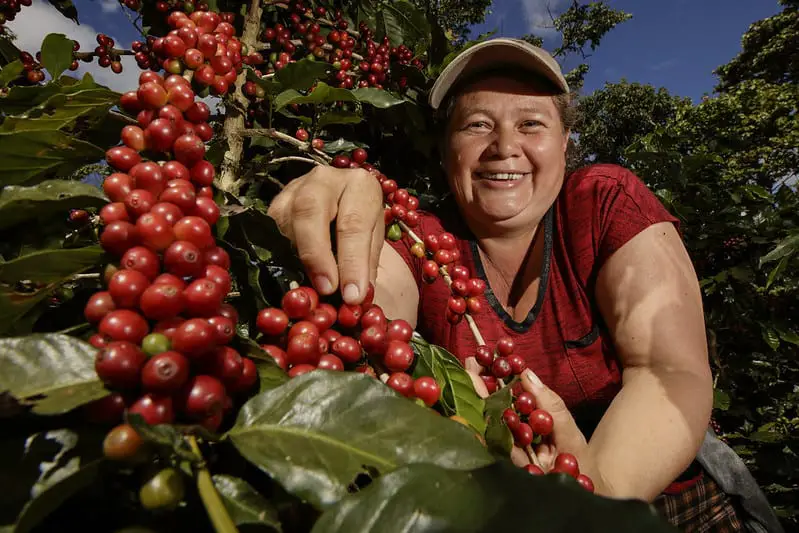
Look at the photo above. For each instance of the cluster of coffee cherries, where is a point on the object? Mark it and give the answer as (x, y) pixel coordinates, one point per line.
(357, 60)
(32, 67)
(201, 46)
(9, 10)
(163, 327)
(186, 6)
(304, 334)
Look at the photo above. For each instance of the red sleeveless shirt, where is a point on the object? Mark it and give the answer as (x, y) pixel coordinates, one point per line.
(563, 339)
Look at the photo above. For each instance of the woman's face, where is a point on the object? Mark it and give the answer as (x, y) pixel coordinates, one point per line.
(505, 154)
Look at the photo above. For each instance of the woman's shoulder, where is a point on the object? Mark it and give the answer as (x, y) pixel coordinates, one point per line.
(599, 177)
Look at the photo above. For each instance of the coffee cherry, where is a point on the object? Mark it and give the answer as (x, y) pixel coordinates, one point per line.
(505, 346)
(522, 435)
(566, 463)
(501, 368)
(203, 297)
(122, 443)
(534, 470)
(330, 362)
(276, 353)
(99, 304)
(585, 482)
(402, 383)
(126, 287)
(296, 303)
(541, 422)
(162, 301)
(119, 364)
(107, 410)
(165, 372)
(272, 321)
(163, 491)
(194, 337)
(517, 363)
(426, 389)
(524, 403)
(155, 343)
(123, 325)
(203, 396)
(303, 349)
(183, 259)
(142, 260)
(399, 330)
(398, 356)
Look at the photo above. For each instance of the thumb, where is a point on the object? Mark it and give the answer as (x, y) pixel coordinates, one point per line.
(473, 369)
(565, 434)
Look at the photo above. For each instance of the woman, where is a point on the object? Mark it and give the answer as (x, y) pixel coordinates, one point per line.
(586, 273)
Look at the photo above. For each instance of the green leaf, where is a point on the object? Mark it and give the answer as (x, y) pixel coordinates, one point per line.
(756, 191)
(788, 336)
(316, 433)
(47, 266)
(302, 74)
(51, 499)
(457, 391)
(11, 72)
(22, 98)
(66, 8)
(244, 504)
(267, 84)
(20, 204)
(721, 400)
(32, 154)
(777, 270)
(770, 336)
(340, 145)
(766, 433)
(339, 117)
(376, 97)
(56, 54)
(53, 373)
(18, 308)
(404, 23)
(63, 110)
(322, 94)
(785, 248)
(500, 497)
(269, 374)
(498, 437)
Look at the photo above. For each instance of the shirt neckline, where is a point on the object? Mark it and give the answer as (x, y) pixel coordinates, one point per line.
(519, 327)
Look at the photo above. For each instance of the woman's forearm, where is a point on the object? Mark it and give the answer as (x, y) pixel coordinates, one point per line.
(651, 432)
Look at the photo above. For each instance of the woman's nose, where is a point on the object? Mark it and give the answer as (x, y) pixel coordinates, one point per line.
(505, 144)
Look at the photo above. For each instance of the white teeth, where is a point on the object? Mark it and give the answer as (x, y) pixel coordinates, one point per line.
(501, 176)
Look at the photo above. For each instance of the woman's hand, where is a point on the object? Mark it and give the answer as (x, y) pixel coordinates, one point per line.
(353, 199)
(566, 437)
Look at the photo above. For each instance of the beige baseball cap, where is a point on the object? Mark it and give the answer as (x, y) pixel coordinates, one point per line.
(494, 53)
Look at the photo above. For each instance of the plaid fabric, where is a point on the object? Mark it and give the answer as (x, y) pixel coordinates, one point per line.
(701, 508)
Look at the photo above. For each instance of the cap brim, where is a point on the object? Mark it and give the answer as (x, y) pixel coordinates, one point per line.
(494, 53)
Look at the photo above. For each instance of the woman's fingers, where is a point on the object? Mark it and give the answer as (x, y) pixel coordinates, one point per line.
(359, 207)
(519, 457)
(473, 369)
(313, 208)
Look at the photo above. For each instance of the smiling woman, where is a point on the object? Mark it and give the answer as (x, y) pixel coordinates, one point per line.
(585, 272)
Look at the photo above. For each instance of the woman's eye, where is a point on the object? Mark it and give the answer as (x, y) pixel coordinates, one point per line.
(531, 123)
(478, 124)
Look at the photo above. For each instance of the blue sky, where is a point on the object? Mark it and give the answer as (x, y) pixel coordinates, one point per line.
(668, 43)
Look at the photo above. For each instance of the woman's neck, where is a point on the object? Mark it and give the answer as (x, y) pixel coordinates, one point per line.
(513, 264)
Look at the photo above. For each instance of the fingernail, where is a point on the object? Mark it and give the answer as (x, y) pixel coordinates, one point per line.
(534, 381)
(323, 284)
(351, 293)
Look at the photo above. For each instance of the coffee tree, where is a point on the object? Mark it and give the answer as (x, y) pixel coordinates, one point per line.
(163, 352)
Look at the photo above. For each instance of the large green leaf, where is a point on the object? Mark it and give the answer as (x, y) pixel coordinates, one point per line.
(51, 499)
(457, 391)
(20, 204)
(22, 98)
(319, 431)
(498, 437)
(376, 97)
(339, 117)
(56, 54)
(403, 23)
(53, 373)
(11, 72)
(427, 498)
(786, 247)
(244, 504)
(31, 154)
(322, 94)
(46, 266)
(63, 110)
(302, 74)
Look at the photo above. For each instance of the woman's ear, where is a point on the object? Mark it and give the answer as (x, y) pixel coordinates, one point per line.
(566, 137)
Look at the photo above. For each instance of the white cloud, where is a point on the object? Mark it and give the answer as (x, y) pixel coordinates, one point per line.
(35, 22)
(537, 15)
(109, 6)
